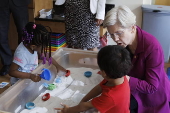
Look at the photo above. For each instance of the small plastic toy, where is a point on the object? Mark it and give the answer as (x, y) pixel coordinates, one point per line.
(46, 74)
(29, 105)
(51, 86)
(99, 72)
(67, 73)
(88, 73)
(58, 80)
(45, 85)
(46, 96)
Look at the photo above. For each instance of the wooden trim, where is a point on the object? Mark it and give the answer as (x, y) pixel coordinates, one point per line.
(162, 2)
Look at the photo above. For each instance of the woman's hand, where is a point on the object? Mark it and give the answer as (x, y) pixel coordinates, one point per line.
(63, 110)
(35, 77)
(99, 22)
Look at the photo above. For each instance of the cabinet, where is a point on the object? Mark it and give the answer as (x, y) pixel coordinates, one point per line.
(56, 26)
(34, 7)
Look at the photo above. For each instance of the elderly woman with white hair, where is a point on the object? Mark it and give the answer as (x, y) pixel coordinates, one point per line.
(149, 84)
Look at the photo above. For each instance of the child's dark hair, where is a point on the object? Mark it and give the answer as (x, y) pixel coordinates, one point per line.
(37, 34)
(114, 60)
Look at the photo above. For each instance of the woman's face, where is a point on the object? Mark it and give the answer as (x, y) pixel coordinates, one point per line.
(122, 36)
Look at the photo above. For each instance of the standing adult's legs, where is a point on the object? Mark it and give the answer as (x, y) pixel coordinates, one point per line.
(20, 15)
(5, 52)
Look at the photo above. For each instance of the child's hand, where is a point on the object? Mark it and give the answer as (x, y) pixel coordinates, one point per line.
(35, 78)
(63, 110)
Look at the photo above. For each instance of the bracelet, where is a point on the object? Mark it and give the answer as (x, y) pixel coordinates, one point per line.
(30, 105)
(46, 96)
(67, 73)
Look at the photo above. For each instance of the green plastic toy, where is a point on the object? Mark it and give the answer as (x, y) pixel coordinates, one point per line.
(51, 86)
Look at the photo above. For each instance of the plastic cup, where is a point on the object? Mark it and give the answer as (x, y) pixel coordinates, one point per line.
(88, 74)
(30, 105)
(46, 74)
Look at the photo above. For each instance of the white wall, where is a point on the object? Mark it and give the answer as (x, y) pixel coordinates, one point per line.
(135, 6)
(148, 1)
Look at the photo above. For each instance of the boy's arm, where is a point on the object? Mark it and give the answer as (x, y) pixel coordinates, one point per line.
(83, 106)
(93, 93)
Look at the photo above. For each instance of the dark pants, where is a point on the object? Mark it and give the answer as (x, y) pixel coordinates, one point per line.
(133, 105)
(20, 15)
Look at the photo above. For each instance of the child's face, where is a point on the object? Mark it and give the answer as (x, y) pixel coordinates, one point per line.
(37, 48)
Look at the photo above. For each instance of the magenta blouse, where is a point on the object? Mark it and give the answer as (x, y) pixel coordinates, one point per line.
(148, 81)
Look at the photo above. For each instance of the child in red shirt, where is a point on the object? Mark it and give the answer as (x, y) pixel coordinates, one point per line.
(112, 95)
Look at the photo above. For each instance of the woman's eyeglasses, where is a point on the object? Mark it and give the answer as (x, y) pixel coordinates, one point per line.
(117, 34)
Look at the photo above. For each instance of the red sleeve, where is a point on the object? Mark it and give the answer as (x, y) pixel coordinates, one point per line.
(103, 103)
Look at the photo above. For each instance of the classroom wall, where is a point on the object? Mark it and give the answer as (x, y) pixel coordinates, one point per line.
(134, 5)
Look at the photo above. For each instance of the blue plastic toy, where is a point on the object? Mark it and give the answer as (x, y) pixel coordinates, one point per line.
(88, 73)
(46, 74)
(58, 80)
(29, 105)
(45, 85)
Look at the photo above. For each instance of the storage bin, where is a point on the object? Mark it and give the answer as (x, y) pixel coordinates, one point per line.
(47, 12)
(58, 40)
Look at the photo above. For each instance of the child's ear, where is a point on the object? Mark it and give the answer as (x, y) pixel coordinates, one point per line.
(103, 73)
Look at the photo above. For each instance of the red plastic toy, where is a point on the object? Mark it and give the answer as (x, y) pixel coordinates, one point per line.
(46, 96)
(99, 72)
(67, 73)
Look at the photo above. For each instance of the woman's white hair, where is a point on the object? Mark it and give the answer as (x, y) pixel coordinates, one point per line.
(120, 15)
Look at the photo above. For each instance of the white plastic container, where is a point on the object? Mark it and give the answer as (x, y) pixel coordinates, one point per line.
(47, 12)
